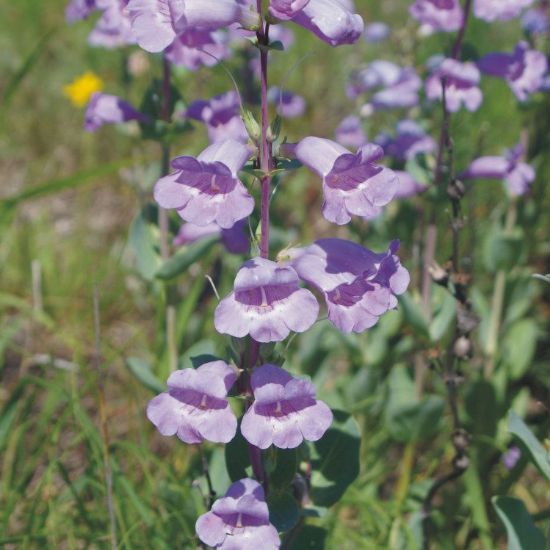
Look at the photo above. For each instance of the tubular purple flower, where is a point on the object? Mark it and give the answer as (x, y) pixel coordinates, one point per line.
(286, 9)
(221, 115)
(289, 105)
(523, 70)
(408, 186)
(376, 32)
(353, 184)
(491, 10)
(461, 85)
(195, 407)
(157, 23)
(239, 520)
(349, 132)
(536, 21)
(194, 49)
(331, 21)
(79, 9)
(207, 189)
(378, 74)
(438, 15)
(358, 285)
(266, 303)
(113, 29)
(518, 176)
(284, 412)
(234, 239)
(109, 109)
(410, 140)
(511, 457)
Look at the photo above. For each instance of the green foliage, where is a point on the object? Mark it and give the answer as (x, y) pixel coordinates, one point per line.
(522, 533)
(539, 455)
(70, 204)
(340, 445)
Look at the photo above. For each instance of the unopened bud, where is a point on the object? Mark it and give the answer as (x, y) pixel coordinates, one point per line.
(252, 127)
(462, 347)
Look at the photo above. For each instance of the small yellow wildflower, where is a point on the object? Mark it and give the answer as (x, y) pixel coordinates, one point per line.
(81, 89)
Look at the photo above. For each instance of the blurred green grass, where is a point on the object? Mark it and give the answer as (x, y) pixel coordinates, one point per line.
(52, 463)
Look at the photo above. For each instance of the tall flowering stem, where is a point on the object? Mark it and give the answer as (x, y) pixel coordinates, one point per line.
(266, 157)
(455, 282)
(170, 312)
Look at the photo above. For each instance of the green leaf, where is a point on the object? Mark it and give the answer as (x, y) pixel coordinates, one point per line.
(502, 250)
(406, 418)
(309, 537)
(152, 105)
(335, 460)
(281, 466)
(413, 315)
(482, 408)
(144, 373)
(415, 421)
(198, 354)
(183, 259)
(69, 182)
(283, 511)
(143, 240)
(519, 347)
(443, 318)
(418, 168)
(237, 458)
(522, 532)
(538, 453)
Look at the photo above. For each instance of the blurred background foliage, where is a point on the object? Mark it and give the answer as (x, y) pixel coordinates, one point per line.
(75, 216)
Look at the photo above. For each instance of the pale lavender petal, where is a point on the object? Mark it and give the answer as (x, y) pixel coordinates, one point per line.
(331, 21)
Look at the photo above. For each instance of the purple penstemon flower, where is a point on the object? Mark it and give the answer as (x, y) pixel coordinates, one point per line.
(331, 20)
(491, 10)
(286, 9)
(289, 105)
(207, 189)
(536, 21)
(461, 85)
(523, 70)
(350, 133)
(221, 115)
(376, 32)
(109, 109)
(113, 29)
(408, 186)
(518, 176)
(353, 183)
(267, 303)
(234, 239)
(79, 9)
(358, 285)
(195, 48)
(195, 407)
(239, 520)
(438, 15)
(284, 412)
(511, 457)
(378, 74)
(157, 23)
(410, 140)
